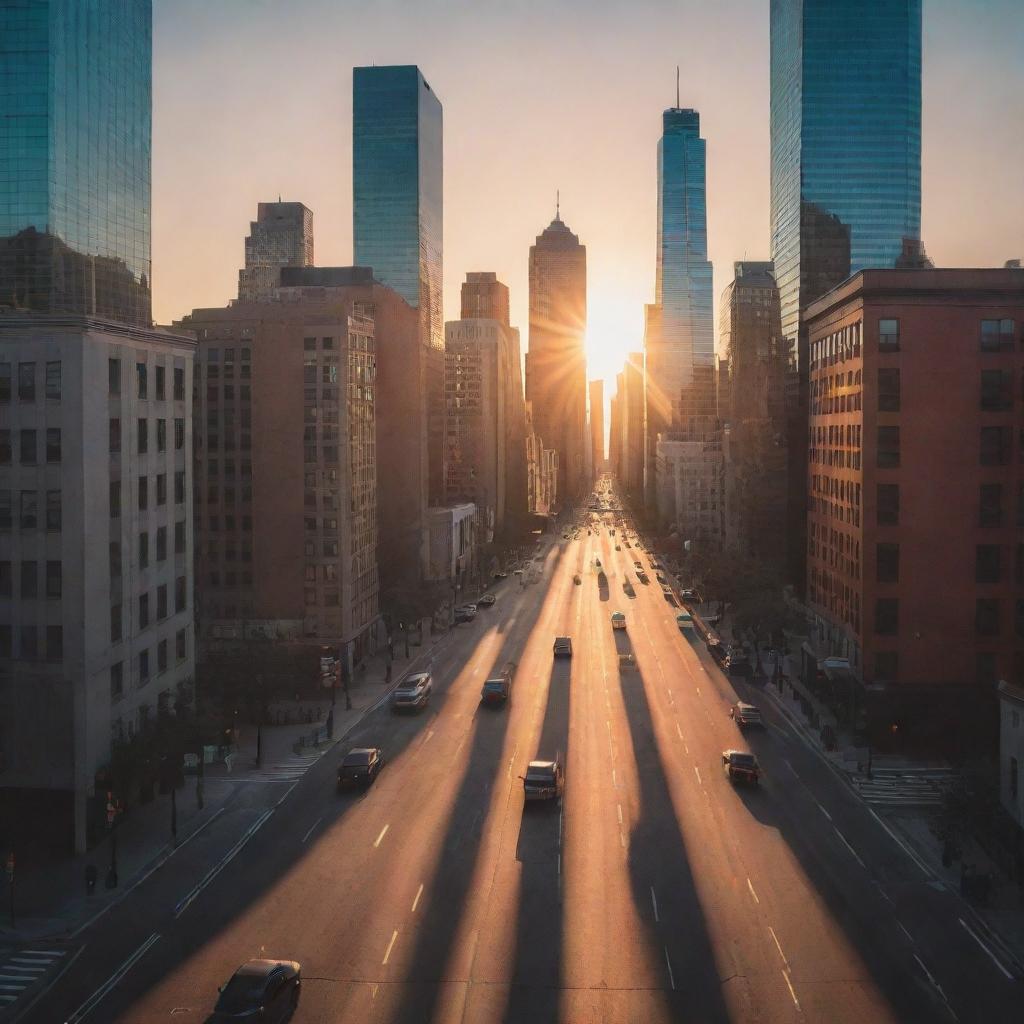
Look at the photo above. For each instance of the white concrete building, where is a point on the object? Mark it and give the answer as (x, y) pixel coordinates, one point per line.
(451, 541)
(96, 549)
(690, 488)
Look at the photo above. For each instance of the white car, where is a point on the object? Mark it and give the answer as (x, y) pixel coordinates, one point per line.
(413, 692)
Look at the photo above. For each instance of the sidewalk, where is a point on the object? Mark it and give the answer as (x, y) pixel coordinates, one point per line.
(51, 902)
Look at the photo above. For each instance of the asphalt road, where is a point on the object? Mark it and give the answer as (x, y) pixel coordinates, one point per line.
(656, 892)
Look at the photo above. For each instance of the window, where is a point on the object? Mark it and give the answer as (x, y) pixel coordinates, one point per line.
(161, 601)
(161, 543)
(115, 434)
(27, 452)
(143, 436)
(161, 656)
(161, 435)
(996, 390)
(144, 550)
(179, 434)
(115, 559)
(888, 335)
(887, 563)
(29, 580)
(161, 386)
(888, 447)
(5, 447)
(5, 382)
(113, 376)
(309, 344)
(143, 611)
(6, 516)
(887, 665)
(179, 487)
(140, 373)
(987, 563)
(179, 384)
(29, 510)
(179, 537)
(143, 493)
(115, 623)
(888, 390)
(54, 643)
(143, 667)
(53, 380)
(26, 382)
(161, 488)
(29, 642)
(116, 680)
(887, 616)
(180, 645)
(5, 579)
(995, 446)
(53, 444)
(180, 594)
(986, 616)
(990, 505)
(54, 580)
(996, 335)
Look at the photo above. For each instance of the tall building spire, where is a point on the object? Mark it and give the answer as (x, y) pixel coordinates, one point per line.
(677, 87)
(558, 204)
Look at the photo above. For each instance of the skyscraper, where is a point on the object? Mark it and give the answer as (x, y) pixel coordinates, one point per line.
(597, 426)
(75, 158)
(556, 366)
(484, 297)
(397, 213)
(280, 236)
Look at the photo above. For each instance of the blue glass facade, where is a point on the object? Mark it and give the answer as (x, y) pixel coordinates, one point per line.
(75, 133)
(397, 181)
(845, 141)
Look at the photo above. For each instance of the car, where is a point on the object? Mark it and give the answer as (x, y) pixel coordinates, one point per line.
(638, 565)
(563, 647)
(618, 620)
(544, 780)
(360, 766)
(486, 601)
(661, 577)
(465, 613)
(716, 649)
(413, 692)
(517, 572)
(655, 564)
(498, 689)
(628, 588)
(744, 714)
(684, 620)
(626, 542)
(260, 990)
(741, 766)
(736, 663)
(501, 575)
(618, 547)
(666, 590)
(642, 577)
(597, 562)
(576, 578)
(689, 595)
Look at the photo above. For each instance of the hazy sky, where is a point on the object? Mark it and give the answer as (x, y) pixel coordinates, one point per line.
(253, 98)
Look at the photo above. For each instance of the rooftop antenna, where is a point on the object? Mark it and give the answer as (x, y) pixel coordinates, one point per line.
(677, 87)
(558, 203)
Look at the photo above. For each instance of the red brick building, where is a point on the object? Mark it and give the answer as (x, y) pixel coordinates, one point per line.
(915, 531)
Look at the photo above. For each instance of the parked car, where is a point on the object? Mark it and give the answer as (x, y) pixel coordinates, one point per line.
(741, 766)
(466, 612)
(486, 601)
(576, 578)
(618, 620)
(618, 547)
(501, 575)
(689, 595)
(628, 588)
(667, 591)
(684, 620)
(642, 576)
(360, 767)
(597, 562)
(260, 990)
(716, 649)
(737, 663)
(744, 714)
(498, 689)
(563, 647)
(544, 780)
(638, 565)
(413, 692)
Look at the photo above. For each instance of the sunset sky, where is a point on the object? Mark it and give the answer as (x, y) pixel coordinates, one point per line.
(253, 99)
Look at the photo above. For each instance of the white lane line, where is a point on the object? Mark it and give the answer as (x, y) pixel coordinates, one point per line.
(904, 930)
(992, 955)
(934, 983)
(750, 886)
(511, 760)
(823, 811)
(311, 828)
(848, 846)
(679, 732)
(778, 946)
(699, 779)
(383, 832)
(671, 977)
(615, 784)
(415, 902)
(698, 691)
(792, 993)
(97, 997)
(903, 846)
(789, 766)
(618, 808)
(210, 875)
(559, 863)
(430, 732)
(391, 945)
(670, 700)
(654, 903)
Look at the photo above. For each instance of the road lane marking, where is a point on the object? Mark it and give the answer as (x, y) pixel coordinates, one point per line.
(97, 997)
(789, 766)
(992, 955)
(430, 732)
(311, 828)
(934, 983)
(698, 691)
(415, 902)
(823, 811)
(848, 846)
(654, 903)
(905, 932)
(618, 808)
(679, 731)
(670, 700)
(668, 964)
(615, 784)
(903, 846)
(750, 886)
(511, 760)
(699, 779)
(383, 832)
(778, 946)
(391, 944)
(792, 993)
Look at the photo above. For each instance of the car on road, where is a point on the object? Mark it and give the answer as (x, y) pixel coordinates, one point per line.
(413, 692)
(597, 562)
(497, 690)
(544, 780)
(517, 572)
(638, 564)
(260, 990)
(618, 620)
(576, 578)
(667, 591)
(737, 663)
(501, 575)
(486, 601)
(465, 612)
(716, 649)
(689, 595)
(618, 547)
(360, 766)
(655, 564)
(744, 714)
(642, 576)
(628, 588)
(741, 766)
(684, 620)
(563, 647)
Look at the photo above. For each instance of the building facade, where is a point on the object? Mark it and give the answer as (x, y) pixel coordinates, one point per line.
(690, 478)
(484, 297)
(597, 460)
(914, 384)
(96, 555)
(556, 366)
(280, 236)
(452, 543)
(75, 158)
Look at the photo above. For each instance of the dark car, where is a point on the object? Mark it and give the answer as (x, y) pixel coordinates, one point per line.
(260, 990)
(737, 663)
(744, 714)
(501, 575)
(486, 601)
(543, 780)
(741, 766)
(716, 649)
(563, 647)
(498, 689)
(360, 767)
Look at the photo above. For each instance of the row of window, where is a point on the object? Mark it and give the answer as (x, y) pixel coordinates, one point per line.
(142, 435)
(143, 663)
(27, 374)
(142, 381)
(988, 616)
(28, 579)
(28, 642)
(29, 510)
(160, 548)
(28, 447)
(180, 605)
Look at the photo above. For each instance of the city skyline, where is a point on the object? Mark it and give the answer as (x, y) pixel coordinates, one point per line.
(559, 121)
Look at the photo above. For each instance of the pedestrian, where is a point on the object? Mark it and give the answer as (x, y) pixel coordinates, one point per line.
(90, 878)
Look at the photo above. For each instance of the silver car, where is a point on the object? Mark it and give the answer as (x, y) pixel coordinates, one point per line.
(413, 692)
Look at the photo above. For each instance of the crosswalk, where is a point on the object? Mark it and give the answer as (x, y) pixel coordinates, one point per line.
(905, 787)
(20, 969)
(291, 770)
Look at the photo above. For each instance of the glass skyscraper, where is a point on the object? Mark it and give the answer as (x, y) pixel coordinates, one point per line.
(75, 131)
(845, 142)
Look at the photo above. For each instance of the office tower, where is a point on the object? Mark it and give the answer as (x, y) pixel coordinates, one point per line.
(630, 395)
(556, 367)
(280, 236)
(914, 561)
(484, 297)
(397, 210)
(597, 426)
(286, 464)
(845, 169)
(75, 158)
(96, 556)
